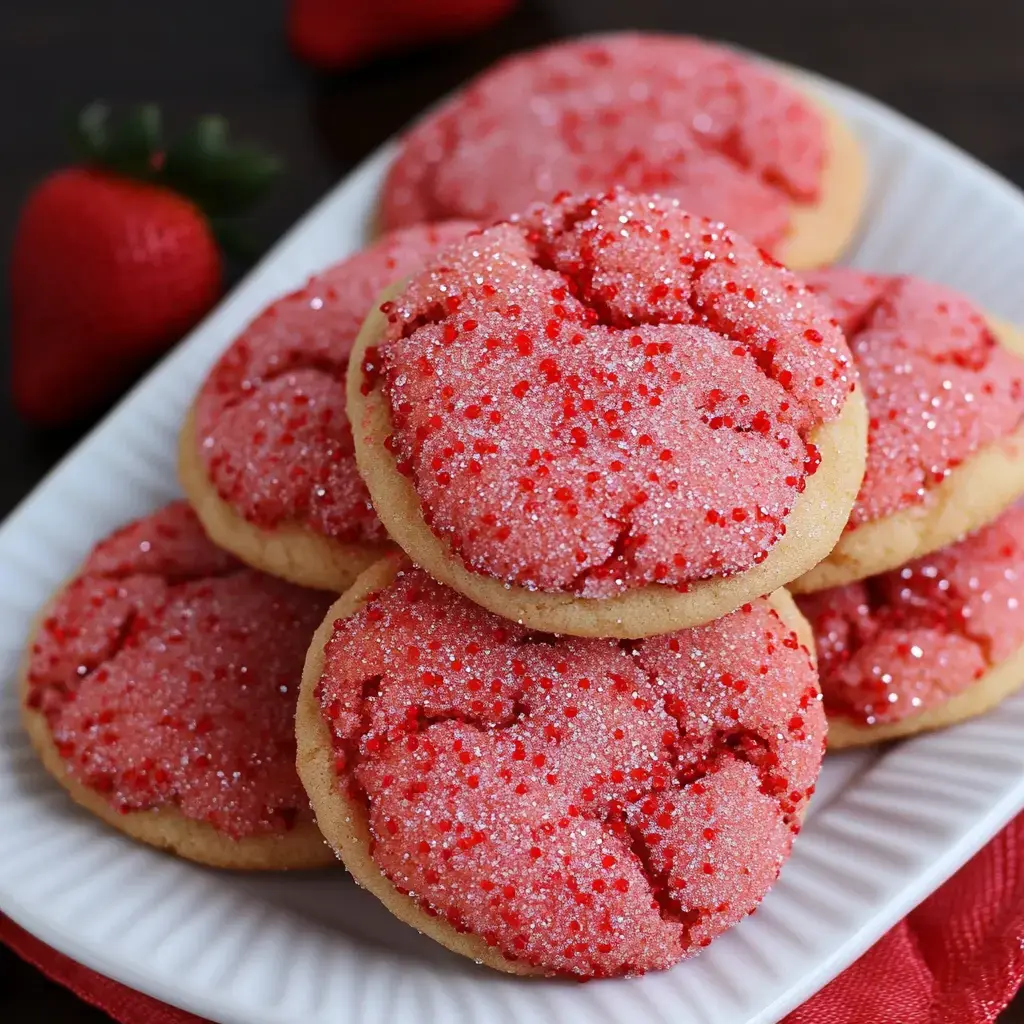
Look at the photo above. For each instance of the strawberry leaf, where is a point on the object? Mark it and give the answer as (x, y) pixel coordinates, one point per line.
(135, 142)
(223, 180)
(90, 132)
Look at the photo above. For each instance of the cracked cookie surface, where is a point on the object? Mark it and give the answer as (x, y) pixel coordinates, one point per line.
(569, 806)
(937, 383)
(729, 138)
(895, 647)
(604, 394)
(267, 451)
(163, 679)
(944, 387)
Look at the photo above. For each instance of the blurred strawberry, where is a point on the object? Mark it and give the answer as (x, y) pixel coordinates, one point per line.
(115, 259)
(341, 33)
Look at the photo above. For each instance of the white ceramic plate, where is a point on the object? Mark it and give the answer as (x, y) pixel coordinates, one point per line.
(884, 830)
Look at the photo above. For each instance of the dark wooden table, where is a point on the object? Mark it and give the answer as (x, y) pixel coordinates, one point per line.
(955, 65)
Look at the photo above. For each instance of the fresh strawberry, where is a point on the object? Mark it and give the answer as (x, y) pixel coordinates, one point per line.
(106, 273)
(341, 33)
(115, 259)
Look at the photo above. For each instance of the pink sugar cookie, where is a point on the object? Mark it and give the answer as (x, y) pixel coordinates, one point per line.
(581, 807)
(606, 396)
(266, 456)
(729, 138)
(940, 640)
(943, 385)
(160, 687)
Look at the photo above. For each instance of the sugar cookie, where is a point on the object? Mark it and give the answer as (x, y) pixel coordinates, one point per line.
(944, 387)
(266, 453)
(730, 138)
(584, 451)
(922, 647)
(159, 690)
(545, 805)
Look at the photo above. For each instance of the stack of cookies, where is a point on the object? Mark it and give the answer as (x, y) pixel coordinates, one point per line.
(564, 460)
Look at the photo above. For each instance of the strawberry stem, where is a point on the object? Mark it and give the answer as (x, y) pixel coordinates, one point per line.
(89, 131)
(135, 142)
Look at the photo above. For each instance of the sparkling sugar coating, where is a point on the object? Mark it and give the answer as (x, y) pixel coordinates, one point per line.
(897, 644)
(168, 674)
(937, 383)
(671, 115)
(270, 418)
(605, 393)
(591, 807)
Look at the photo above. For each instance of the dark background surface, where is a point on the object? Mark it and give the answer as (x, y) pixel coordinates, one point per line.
(955, 65)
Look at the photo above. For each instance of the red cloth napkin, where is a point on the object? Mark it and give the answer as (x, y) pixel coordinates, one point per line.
(957, 959)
